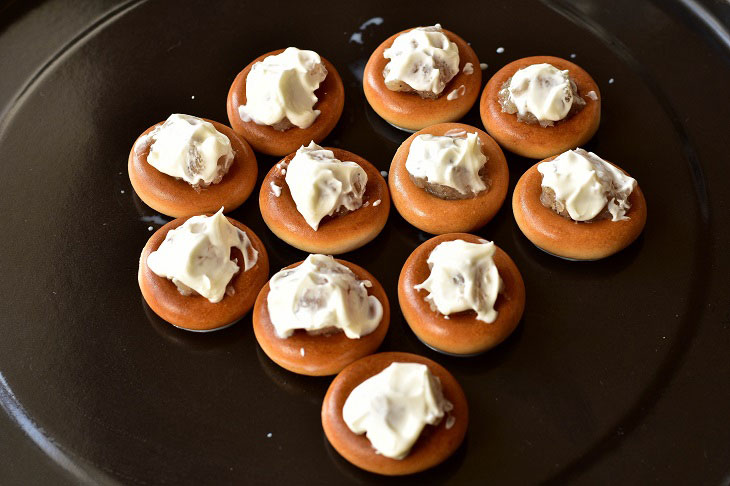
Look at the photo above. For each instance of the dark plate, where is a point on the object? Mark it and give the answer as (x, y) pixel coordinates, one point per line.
(618, 372)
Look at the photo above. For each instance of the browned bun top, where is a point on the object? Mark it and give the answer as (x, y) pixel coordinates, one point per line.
(336, 234)
(565, 237)
(435, 444)
(435, 215)
(324, 354)
(265, 139)
(195, 312)
(175, 197)
(409, 110)
(461, 333)
(533, 140)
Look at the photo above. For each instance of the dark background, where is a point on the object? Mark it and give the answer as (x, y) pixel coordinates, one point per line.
(618, 373)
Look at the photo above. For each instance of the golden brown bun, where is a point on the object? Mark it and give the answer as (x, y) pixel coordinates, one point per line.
(532, 140)
(408, 110)
(195, 312)
(175, 197)
(323, 354)
(569, 239)
(435, 215)
(268, 140)
(435, 444)
(461, 333)
(336, 234)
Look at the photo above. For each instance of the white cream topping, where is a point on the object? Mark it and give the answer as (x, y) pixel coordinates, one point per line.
(392, 407)
(543, 90)
(320, 184)
(463, 277)
(197, 255)
(282, 87)
(585, 183)
(448, 160)
(422, 58)
(456, 93)
(468, 68)
(320, 295)
(189, 148)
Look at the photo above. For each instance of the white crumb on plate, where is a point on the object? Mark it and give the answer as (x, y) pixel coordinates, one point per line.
(372, 21)
(269, 435)
(500, 50)
(572, 56)
(483, 66)
(610, 81)
(356, 37)
(192, 97)
(383, 173)
(122, 191)
(150, 228)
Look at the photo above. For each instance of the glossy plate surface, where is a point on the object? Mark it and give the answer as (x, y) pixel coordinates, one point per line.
(617, 373)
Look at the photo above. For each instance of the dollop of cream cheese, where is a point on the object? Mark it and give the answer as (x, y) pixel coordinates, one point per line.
(543, 90)
(320, 184)
(450, 161)
(321, 295)
(463, 277)
(281, 88)
(392, 407)
(423, 58)
(586, 184)
(196, 256)
(189, 148)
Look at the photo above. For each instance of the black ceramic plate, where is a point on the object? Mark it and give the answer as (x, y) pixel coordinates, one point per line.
(617, 373)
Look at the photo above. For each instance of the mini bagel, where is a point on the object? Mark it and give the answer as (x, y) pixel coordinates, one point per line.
(435, 444)
(267, 140)
(410, 112)
(175, 197)
(323, 354)
(435, 215)
(195, 312)
(461, 333)
(336, 234)
(566, 238)
(533, 140)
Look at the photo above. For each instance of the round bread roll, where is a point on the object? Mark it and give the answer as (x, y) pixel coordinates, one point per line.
(268, 140)
(461, 333)
(435, 215)
(318, 354)
(436, 442)
(177, 198)
(336, 234)
(569, 239)
(530, 139)
(410, 112)
(195, 312)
